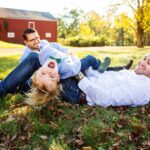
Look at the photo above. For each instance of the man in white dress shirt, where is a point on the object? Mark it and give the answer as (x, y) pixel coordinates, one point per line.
(123, 88)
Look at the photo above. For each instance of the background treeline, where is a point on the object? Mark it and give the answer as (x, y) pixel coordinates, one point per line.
(77, 28)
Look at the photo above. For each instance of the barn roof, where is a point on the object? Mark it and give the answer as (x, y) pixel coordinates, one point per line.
(25, 14)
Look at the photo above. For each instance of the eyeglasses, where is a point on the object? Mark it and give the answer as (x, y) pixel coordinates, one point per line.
(32, 40)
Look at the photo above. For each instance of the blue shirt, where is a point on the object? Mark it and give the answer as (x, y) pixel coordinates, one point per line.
(70, 65)
(27, 50)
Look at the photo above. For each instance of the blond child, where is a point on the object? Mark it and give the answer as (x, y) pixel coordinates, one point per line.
(45, 84)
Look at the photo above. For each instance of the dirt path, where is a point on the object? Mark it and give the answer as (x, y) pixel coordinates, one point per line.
(19, 51)
(10, 51)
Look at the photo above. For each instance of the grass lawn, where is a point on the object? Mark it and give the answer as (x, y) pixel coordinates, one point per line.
(63, 126)
(10, 45)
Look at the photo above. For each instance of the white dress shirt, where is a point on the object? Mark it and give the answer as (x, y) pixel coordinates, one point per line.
(123, 88)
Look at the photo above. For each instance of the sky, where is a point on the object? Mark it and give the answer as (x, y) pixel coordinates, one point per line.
(56, 7)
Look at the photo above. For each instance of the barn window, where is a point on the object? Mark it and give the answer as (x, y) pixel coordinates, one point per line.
(31, 24)
(48, 35)
(10, 34)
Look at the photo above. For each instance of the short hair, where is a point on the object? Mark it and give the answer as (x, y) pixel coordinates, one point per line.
(28, 31)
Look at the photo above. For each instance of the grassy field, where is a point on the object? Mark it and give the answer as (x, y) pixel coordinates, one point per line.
(63, 126)
(10, 45)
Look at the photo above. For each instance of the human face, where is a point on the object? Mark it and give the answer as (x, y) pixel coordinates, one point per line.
(47, 78)
(33, 41)
(143, 67)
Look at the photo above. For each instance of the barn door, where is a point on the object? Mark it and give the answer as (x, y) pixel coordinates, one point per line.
(31, 24)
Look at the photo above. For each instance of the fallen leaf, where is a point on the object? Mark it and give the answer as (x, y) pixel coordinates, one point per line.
(37, 148)
(22, 138)
(147, 143)
(13, 137)
(51, 108)
(43, 137)
(87, 148)
(79, 142)
(67, 117)
(10, 118)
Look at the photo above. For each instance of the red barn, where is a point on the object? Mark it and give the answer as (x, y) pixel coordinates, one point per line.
(14, 21)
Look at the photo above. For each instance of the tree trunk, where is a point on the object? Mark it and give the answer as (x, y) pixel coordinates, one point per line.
(140, 35)
(122, 37)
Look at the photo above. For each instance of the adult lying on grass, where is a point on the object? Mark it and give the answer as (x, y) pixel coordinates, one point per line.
(18, 79)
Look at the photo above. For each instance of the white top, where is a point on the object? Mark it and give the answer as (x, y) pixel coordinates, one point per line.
(115, 88)
(68, 66)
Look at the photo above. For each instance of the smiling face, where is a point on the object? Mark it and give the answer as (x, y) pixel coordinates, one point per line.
(33, 41)
(143, 67)
(46, 79)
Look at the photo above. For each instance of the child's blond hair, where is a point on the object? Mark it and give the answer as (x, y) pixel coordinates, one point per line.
(40, 96)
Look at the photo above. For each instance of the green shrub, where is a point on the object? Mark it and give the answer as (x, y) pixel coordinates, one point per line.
(83, 41)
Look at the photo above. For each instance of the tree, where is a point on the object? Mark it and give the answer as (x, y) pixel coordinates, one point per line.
(75, 24)
(69, 23)
(85, 30)
(95, 22)
(62, 30)
(141, 13)
(123, 30)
